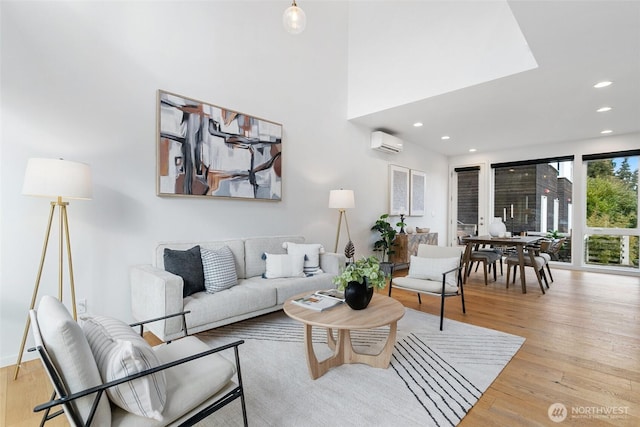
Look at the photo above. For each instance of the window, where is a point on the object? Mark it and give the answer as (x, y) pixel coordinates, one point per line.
(540, 192)
(612, 232)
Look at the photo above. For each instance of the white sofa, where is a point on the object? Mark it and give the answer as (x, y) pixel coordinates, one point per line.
(156, 292)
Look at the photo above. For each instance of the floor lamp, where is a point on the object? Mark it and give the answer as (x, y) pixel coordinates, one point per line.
(57, 179)
(341, 200)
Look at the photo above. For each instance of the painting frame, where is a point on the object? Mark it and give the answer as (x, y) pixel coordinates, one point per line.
(417, 192)
(398, 190)
(208, 151)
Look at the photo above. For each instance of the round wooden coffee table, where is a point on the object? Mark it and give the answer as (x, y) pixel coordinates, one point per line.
(381, 311)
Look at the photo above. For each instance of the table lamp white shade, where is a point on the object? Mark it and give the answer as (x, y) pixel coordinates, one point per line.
(341, 199)
(57, 178)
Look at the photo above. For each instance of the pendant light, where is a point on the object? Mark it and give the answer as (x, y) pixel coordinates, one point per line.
(294, 19)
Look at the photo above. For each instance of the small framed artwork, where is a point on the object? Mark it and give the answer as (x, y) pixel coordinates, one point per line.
(398, 190)
(210, 151)
(417, 191)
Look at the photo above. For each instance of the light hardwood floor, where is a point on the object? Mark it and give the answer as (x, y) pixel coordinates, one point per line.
(582, 349)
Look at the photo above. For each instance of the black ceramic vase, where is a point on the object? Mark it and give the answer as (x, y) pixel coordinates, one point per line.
(358, 295)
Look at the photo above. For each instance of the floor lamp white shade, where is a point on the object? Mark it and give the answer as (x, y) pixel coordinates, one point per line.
(341, 200)
(57, 178)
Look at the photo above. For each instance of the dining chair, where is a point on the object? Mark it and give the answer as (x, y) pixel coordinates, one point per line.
(549, 249)
(488, 257)
(532, 259)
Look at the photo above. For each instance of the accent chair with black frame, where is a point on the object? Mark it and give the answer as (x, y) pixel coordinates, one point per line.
(435, 271)
(105, 374)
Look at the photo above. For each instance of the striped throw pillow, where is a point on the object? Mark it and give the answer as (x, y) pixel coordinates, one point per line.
(311, 253)
(219, 269)
(119, 351)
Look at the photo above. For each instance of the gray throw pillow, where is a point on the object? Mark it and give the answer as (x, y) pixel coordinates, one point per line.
(188, 265)
(219, 269)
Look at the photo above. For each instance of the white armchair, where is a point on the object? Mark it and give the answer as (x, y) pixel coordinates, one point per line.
(177, 383)
(436, 271)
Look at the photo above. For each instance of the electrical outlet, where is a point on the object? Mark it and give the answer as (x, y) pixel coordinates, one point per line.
(81, 306)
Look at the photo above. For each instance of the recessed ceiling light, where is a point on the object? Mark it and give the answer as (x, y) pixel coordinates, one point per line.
(417, 124)
(606, 131)
(445, 137)
(602, 84)
(603, 109)
(472, 150)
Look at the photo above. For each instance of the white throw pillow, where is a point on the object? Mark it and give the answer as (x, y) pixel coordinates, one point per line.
(311, 254)
(432, 269)
(119, 351)
(219, 269)
(283, 265)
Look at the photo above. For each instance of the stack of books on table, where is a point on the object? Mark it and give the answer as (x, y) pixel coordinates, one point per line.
(321, 300)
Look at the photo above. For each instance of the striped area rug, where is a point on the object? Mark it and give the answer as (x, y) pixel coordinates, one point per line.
(434, 379)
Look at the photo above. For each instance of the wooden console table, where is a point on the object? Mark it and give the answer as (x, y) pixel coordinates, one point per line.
(406, 245)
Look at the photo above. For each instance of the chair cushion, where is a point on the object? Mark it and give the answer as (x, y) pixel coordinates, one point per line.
(188, 265)
(423, 285)
(219, 268)
(546, 256)
(432, 269)
(310, 252)
(119, 351)
(72, 356)
(283, 265)
(486, 255)
(540, 261)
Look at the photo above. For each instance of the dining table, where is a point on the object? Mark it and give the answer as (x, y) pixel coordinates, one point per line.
(517, 242)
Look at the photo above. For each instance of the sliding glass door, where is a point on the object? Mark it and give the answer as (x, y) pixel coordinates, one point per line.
(612, 232)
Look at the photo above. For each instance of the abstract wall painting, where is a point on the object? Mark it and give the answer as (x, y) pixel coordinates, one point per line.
(209, 151)
(418, 184)
(398, 190)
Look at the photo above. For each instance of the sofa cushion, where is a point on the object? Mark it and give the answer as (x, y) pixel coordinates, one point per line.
(119, 351)
(72, 356)
(310, 252)
(188, 265)
(219, 269)
(283, 265)
(235, 301)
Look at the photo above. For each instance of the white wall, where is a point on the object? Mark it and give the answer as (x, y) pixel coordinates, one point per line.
(79, 81)
(396, 52)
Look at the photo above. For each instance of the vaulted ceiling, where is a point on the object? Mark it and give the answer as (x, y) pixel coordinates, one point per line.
(575, 45)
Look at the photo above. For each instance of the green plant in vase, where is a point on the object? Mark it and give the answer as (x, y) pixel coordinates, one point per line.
(359, 279)
(365, 267)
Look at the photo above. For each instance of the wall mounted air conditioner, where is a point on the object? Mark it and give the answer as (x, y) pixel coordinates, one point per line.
(384, 142)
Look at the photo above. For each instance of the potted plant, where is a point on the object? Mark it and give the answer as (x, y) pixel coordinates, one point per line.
(358, 280)
(385, 243)
(553, 234)
(387, 236)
